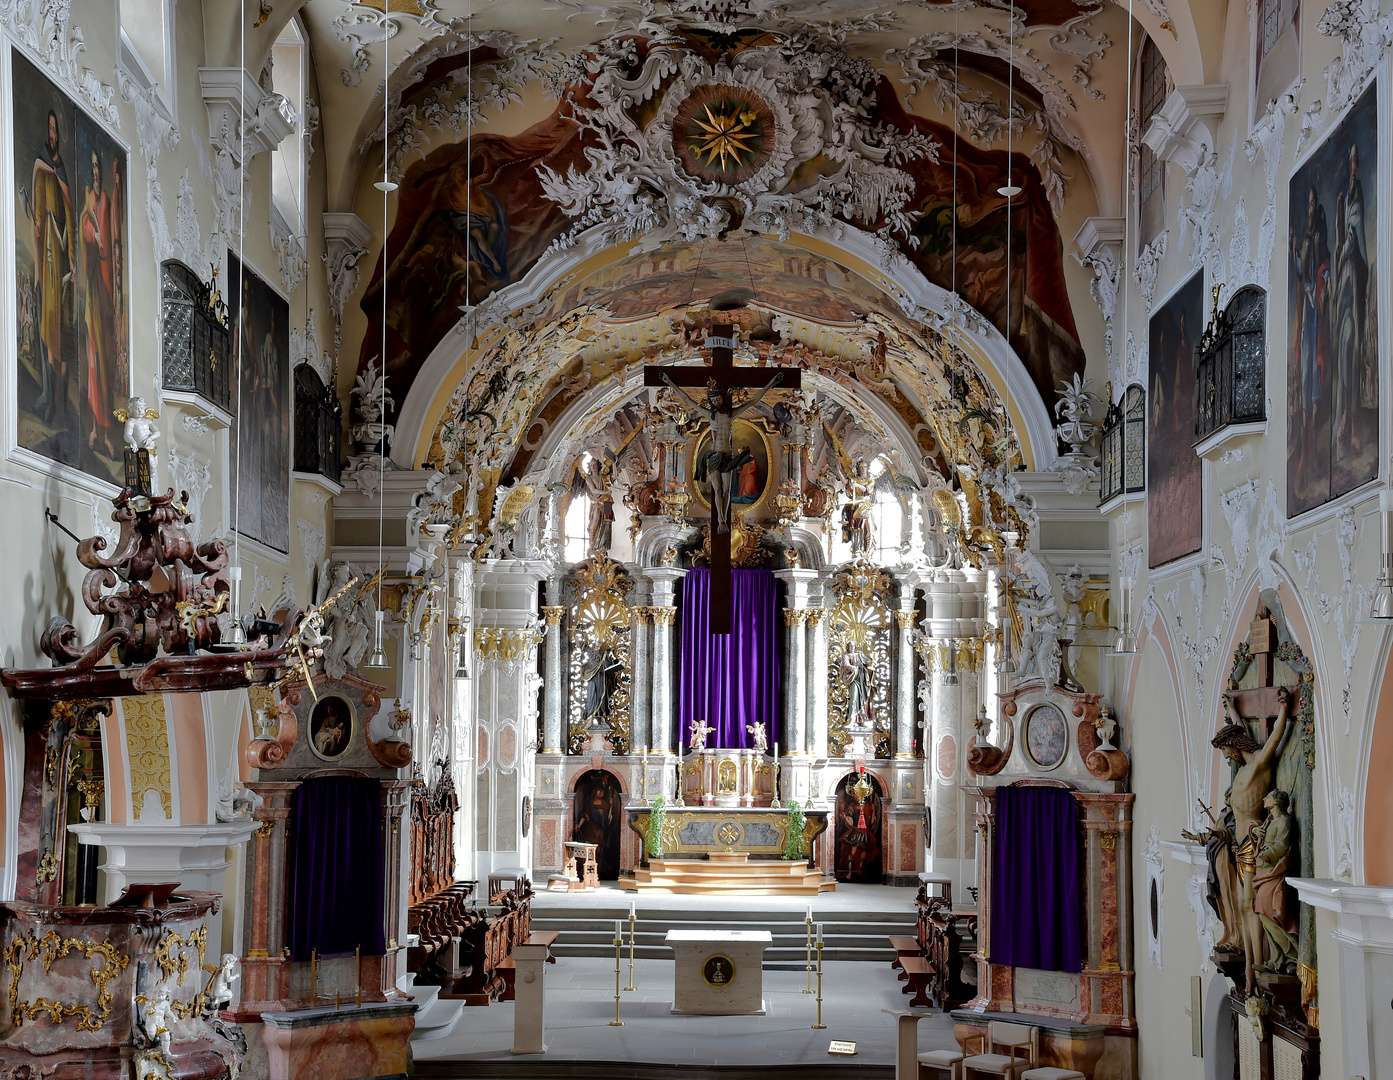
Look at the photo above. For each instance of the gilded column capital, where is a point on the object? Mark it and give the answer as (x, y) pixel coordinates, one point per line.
(905, 619)
(553, 613)
(663, 615)
(816, 615)
(795, 616)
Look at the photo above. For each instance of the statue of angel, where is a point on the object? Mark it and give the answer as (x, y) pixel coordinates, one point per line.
(140, 433)
(759, 736)
(700, 732)
(219, 995)
(347, 620)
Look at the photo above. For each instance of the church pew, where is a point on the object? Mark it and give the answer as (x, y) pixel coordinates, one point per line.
(903, 946)
(918, 975)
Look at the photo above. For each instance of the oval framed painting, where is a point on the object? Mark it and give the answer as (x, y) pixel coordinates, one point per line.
(1046, 736)
(331, 727)
(752, 482)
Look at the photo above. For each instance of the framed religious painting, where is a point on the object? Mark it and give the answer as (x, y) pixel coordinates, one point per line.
(1174, 479)
(72, 283)
(1332, 313)
(261, 435)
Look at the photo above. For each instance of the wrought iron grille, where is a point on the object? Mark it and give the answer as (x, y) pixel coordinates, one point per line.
(318, 423)
(1230, 365)
(196, 341)
(1124, 446)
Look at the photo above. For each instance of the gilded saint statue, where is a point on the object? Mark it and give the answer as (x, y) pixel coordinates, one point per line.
(721, 465)
(855, 673)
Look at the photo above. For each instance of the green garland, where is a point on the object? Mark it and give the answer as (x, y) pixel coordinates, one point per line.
(657, 818)
(793, 846)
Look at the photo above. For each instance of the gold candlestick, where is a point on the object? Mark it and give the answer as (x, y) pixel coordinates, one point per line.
(618, 942)
(632, 919)
(809, 962)
(819, 1023)
(643, 779)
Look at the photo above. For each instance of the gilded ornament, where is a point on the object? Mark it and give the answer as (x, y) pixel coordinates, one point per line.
(795, 616)
(265, 829)
(50, 949)
(1109, 841)
(47, 869)
(147, 750)
(553, 613)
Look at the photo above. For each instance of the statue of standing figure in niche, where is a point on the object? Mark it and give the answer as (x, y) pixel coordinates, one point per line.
(855, 673)
(601, 680)
(1252, 783)
(597, 477)
(720, 466)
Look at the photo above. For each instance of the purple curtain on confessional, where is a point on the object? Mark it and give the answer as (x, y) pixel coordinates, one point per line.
(730, 680)
(336, 869)
(1037, 903)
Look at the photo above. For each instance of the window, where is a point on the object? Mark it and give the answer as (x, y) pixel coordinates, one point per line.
(288, 159)
(1151, 170)
(575, 526)
(147, 47)
(1277, 48)
(887, 516)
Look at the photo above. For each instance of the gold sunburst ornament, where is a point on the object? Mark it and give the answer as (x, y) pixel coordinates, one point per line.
(729, 134)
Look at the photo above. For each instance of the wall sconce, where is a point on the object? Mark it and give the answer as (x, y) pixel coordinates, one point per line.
(1382, 607)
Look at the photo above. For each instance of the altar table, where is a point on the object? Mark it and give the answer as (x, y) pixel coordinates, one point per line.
(718, 972)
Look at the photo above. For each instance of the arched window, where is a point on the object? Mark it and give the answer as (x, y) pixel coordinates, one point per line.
(1230, 365)
(1154, 85)
(288, 159)
(575, 525)
(887, 515)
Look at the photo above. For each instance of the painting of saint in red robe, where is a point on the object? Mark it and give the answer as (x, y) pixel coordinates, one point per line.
(858, 833)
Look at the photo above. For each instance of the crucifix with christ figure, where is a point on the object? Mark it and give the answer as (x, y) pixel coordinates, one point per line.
(720, 465)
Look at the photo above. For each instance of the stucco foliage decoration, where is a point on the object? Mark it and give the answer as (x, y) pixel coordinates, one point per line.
(45, 27)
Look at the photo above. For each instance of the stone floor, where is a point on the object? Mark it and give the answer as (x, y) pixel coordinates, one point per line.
(858, 999)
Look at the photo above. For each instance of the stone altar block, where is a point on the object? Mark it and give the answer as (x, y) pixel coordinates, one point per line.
(718, 972)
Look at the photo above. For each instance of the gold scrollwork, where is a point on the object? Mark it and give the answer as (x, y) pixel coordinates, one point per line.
(47, 869)
(601, 622)
(860, 620)
(968, 652)
(265, 829)
(1108, 841)
(174, 962)
(49, 949)
(494, 644)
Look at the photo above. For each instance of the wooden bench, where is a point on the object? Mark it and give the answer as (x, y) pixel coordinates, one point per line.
(917, 974)
(903, 946)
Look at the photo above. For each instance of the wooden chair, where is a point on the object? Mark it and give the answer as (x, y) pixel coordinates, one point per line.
(1049, 1072)
(1015, 1039)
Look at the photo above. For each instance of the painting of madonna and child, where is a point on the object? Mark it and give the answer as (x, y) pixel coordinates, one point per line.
(72, 291)
(1332, 314)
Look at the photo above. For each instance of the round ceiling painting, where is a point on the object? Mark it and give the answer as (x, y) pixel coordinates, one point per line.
(723, 133)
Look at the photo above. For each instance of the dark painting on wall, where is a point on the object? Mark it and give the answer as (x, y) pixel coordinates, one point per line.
(261, 440)
(1332, 315)
(1174, 481)
(859, 848)
(71, 283)
(598, 817)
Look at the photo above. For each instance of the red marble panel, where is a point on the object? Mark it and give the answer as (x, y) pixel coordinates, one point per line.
(909, 848)
(947, 757)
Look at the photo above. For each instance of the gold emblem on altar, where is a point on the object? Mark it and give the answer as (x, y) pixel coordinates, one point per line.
(718, 970)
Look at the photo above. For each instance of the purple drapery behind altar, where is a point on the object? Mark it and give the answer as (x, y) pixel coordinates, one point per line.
(730, 680)
(1037, 902)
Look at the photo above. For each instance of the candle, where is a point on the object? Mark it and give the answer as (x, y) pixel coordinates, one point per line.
(776, 749)
(631, 909)
(618, 933)
(810, 913)
(819, 933)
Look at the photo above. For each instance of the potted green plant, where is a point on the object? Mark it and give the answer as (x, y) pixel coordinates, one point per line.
(793, 846)
(657, 818)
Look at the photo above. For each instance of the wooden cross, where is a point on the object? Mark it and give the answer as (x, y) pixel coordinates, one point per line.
(722, 374)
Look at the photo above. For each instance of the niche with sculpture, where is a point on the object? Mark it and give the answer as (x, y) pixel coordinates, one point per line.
(1262, 834)
(600, 670)
(858, 663)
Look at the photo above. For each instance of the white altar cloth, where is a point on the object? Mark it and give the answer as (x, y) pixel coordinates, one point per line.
(718, 972)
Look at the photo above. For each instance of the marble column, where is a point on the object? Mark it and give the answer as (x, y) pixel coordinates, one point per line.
(904, 672)
(554, 689)
(265, 978)
(641, 682)
(795, 734)
(817, 682)
(662, 704)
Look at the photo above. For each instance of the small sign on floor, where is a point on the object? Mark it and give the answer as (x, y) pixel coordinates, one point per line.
(838, 1047)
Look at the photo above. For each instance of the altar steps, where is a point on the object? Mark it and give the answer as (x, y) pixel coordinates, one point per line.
(847, 935)
(728, 874)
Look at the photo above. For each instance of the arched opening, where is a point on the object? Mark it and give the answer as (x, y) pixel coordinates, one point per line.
(597, 817)
(858, 839)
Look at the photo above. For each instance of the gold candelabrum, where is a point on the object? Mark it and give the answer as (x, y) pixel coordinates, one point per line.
(618, 944)
(809, 921)
(819, 1025)
(357, 980)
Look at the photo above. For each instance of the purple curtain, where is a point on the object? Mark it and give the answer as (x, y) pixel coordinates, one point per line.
(730, 680)
(336, 869)
(1037, 903)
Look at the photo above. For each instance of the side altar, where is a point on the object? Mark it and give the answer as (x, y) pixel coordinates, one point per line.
(759, 831)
